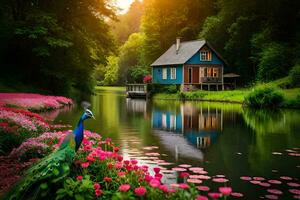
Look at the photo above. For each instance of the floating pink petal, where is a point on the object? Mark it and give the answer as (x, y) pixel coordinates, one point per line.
(225, 190)
(165, 163)
(274, 191)
(274, 182)
(265, 184)
(271, 196)
(255, 182)
(294, 191)
(287, 178)
(152, 154)
(192, 180)
(220, 180)
(220, 176)
(195, 168)
(296, 197)
(214, 195)
(203, 188)
(236, 194)
(258, 178)
(293, 184)
(200, 197)
(184, 165)
(294, 154)
(195, 176)
(204, 177)
(179, 169)
(246, 178)
(200, 172)
(174, 185)
(276, 153)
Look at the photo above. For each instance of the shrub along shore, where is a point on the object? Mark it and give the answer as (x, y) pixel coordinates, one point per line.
(274, 94)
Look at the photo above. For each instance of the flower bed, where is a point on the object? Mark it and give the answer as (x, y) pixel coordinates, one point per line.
(104, 174)
(33, 102)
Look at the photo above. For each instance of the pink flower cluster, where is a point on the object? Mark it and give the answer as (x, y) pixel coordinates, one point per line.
(26, 120)
(35, 102)
(147, 79)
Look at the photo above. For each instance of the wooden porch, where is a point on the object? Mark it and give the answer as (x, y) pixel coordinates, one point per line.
(136, 90)
(203, 76)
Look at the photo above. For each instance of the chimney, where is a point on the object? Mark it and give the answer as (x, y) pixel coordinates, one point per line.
(177, 44)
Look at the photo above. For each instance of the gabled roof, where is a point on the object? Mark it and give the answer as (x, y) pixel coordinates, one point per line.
(186, 51)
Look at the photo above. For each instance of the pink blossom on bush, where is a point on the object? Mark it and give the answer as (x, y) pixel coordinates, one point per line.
(140, 191)
(124, 187)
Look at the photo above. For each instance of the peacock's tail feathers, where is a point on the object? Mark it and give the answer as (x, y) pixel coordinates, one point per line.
(37, 181)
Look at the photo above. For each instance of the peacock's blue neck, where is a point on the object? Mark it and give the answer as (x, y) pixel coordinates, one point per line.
(78, 132)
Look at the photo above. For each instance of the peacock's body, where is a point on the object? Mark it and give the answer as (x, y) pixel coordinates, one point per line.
(42, 177)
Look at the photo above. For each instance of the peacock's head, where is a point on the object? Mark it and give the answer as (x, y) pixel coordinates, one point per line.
(87, 114)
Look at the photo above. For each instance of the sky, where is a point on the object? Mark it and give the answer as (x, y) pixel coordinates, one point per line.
(124, 5)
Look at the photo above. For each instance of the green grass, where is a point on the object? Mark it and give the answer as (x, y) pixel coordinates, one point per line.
(235, 96)
(110, 88)
(291, 96)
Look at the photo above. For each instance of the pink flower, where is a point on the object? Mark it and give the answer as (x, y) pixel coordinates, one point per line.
(156, 170)
(225, 190)
(98, 193)
(124, 188)
(97, 186)
(214, 195)
(154, 183)
(85, 165)
(200, 197)
(164, 188)
(126, 162)
(121, 174)
(203, 188)
(184, 174)
(107, 179)
(90, 158)
(183, 186)
(140, 191)
(134, 162)
(79, 178)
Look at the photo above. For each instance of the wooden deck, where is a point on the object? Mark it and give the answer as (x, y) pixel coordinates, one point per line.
(136, 91)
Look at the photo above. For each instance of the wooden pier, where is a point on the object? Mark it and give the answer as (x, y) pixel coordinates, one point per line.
(136, 91)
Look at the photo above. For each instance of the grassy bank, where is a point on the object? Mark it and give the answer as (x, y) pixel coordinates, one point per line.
(291, 97)
(110, 88)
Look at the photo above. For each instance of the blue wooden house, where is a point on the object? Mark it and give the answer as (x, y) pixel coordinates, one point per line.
(192, 65)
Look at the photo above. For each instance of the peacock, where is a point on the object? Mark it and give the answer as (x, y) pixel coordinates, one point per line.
(39, 179)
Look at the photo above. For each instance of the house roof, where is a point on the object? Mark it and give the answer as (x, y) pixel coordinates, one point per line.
(186, 51)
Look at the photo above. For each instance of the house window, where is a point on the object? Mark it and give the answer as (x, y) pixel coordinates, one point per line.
(173, 73)
(212, 72)
(164, 73)
(205, 56)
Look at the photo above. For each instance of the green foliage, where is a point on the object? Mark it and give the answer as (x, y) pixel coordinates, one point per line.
(137, 73)
(294, 75)
(130, 64)
(264, 96)
(255, 37)
(110, 71)
(273, 62)
(55, 47)
(78, 190)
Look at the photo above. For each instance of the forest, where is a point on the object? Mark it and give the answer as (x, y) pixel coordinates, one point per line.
(71, 46)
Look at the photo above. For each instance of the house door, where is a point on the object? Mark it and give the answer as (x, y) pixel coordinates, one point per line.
(190, 75)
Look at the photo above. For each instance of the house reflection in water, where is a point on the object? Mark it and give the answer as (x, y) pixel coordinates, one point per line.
(199, 125)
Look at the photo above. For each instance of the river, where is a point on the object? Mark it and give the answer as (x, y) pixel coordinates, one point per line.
(224, 139)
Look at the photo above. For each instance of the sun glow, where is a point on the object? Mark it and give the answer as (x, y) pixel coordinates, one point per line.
(124, 5)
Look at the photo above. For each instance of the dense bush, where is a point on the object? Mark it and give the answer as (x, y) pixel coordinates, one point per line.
(155, 88)
(295, 76)
(264, 96)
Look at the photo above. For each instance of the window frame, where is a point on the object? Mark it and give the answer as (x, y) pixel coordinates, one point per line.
(164, 73)
(205, 55)
(173, 73)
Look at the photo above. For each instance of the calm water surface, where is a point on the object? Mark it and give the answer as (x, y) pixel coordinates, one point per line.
(224, 139)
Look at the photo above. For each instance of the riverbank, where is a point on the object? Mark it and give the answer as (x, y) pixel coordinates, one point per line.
(291, 96)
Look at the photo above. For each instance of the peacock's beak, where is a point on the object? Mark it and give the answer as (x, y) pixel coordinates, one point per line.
(93, 117)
